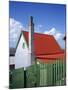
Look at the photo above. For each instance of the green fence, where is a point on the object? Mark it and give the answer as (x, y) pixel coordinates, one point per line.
(52, 74)
(32, 76)
(39, 74)
(17, 78)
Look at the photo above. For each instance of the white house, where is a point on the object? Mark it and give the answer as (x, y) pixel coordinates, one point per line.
(31, 46)
(23, 56)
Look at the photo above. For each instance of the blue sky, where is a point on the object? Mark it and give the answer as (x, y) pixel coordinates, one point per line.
(48, 18)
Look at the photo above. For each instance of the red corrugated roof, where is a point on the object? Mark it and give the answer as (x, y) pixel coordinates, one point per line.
(53, 56)
(45, 46)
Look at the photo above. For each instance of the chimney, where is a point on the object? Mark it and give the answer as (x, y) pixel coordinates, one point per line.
(31, 41)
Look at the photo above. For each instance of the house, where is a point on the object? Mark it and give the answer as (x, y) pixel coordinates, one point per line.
(34, 46)
(12, 58)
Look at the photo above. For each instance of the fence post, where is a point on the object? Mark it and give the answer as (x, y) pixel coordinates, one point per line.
(24, 78)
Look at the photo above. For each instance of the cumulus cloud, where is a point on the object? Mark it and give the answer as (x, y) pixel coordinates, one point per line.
(51, 32)
(59, 36)
(15, 29)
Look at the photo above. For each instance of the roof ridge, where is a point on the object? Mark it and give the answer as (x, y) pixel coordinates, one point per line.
(39, 33)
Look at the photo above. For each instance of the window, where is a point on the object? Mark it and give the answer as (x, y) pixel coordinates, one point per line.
(23, 45)
(12, 67)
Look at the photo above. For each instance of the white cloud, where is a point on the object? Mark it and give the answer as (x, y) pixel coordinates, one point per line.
(15, 29)
(15, 26)
(59, 36)
(14, 36)
(51, 32)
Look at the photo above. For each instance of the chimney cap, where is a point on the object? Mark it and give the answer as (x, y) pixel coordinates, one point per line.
(31, 20)
(31, 17)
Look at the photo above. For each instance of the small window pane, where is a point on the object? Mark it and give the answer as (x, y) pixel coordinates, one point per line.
(23, 45)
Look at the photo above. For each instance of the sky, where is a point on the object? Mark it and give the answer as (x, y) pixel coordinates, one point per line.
(48, 19)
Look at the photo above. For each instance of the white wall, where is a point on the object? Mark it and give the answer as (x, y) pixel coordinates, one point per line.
(21, 56)
(12, 60)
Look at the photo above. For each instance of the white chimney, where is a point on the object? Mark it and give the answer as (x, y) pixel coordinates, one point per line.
(31, 41)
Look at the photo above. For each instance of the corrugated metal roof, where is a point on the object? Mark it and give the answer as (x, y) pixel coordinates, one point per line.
(44, 44)
(52, 57)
